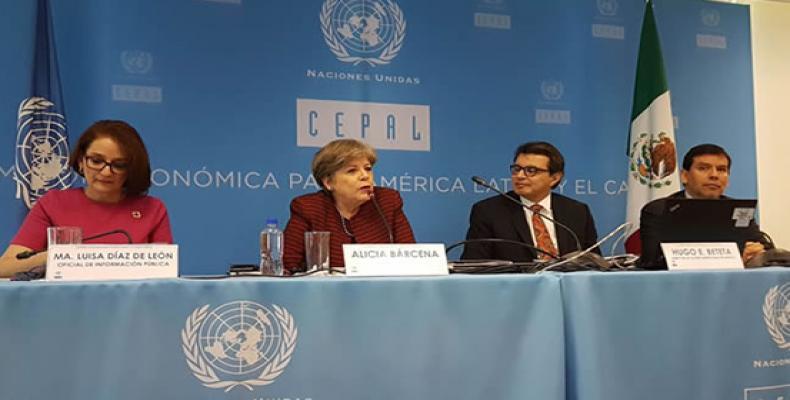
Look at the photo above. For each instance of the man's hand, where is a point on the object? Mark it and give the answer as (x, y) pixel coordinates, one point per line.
(751, 249)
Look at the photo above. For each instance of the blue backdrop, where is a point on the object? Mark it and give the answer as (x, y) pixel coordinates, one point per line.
(222, 92)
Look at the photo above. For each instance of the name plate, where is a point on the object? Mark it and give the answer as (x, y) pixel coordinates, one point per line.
(395, 259)
(698, 256)
(107, 262)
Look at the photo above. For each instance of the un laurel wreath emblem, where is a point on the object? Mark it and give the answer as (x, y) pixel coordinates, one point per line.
(607, 7)
(653, 159)
(710, 18)
(776, 313)
(136, 61)
(552, 90)
(241, 343)
(42, 150)
(356, 31)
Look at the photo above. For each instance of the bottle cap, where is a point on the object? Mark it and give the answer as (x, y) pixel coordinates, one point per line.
(271, 221)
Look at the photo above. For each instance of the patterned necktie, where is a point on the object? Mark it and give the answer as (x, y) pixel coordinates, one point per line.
(541, 233)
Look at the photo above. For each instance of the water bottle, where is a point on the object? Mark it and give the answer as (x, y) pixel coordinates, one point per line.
(271, 249)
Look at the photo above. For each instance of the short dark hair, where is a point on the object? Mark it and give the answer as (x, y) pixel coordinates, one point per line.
(138, 176)
(703, 150)
(556, 162)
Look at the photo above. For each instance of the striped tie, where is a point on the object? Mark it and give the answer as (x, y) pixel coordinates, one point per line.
(541, 233)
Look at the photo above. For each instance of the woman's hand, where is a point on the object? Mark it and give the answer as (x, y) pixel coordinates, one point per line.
(10, 265)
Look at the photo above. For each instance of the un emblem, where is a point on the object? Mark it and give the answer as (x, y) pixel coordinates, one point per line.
(238, 344)
(552, 90)
(710, 18)
(607, 7)
(653, 159)
(137, 62)
(776, 313)
(42, 150)
(356, 31)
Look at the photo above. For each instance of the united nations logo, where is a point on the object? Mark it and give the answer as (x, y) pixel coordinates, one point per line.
(137, 62)
(653, 160)
(356, 31)
(42, 150)
(776, 313)
(238, 344)
(607, 7)
(552, 90)
(710, 17)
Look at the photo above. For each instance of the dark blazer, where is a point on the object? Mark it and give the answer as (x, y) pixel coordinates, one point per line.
(649, 223)
(498, 217)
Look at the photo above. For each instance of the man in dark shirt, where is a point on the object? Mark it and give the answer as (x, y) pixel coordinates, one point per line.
(537, 168)
(705, 175)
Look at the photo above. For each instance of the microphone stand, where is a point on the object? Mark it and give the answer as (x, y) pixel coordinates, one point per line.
(383, 217)
(586, 254)
(30, 253)
(497, 240)
(108, 233)
(480, 181)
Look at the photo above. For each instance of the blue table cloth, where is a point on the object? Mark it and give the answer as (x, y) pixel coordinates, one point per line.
(678, 335)
(458, 337)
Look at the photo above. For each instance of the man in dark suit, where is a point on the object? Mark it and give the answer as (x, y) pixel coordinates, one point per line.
(537, 168)
(705, 175)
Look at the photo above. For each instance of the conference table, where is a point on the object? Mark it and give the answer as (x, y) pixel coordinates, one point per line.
(584, 335)
(678, 335)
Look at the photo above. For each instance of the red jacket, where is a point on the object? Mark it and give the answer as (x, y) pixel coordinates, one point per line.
(317, 212)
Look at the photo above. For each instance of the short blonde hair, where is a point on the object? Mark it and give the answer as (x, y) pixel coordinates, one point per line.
(332, 157)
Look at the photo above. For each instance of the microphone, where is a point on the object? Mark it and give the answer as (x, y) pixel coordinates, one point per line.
(383, 218)
(30, 253)
(767, 241)
(480, 181)
(497, 240)
(108, 233)
(26, 254)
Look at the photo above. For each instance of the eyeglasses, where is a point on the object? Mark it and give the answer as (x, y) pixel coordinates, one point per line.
(97, 164)
(529, 171)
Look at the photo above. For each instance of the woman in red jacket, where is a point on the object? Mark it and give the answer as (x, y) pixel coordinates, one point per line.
(349, 205)
(112, 158)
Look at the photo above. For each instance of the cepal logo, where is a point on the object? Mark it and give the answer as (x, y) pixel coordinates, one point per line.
(552, 90)
(710, 17)
(238, 344)
(356, 31)
(136, 62)
(653, 159)
(607, 7)
(776, 313)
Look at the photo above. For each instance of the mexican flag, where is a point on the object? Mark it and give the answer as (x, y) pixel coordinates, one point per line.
(653, 166)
